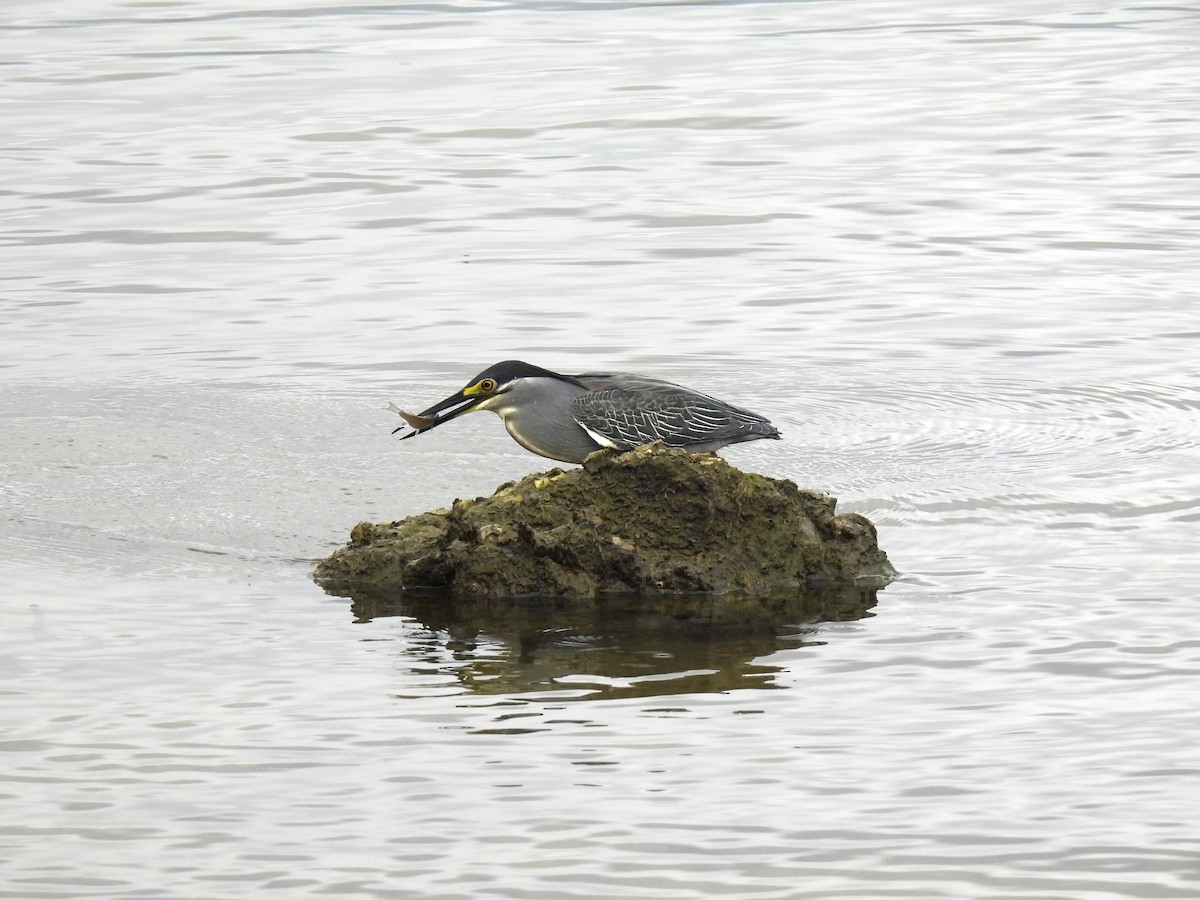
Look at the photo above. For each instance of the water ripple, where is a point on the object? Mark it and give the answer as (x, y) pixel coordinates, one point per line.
(946, 251)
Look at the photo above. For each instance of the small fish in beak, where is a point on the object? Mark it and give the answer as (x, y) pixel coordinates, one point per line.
(420, 423)
(475, 395)
(443, 411)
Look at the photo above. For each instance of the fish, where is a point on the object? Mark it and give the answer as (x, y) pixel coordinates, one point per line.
(417, 423)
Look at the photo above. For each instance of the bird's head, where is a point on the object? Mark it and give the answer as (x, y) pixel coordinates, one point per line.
(485, 391)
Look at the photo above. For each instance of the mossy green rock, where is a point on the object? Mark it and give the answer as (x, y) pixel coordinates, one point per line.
(647, 521)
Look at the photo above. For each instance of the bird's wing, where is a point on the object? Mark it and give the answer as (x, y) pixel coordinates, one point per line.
(629, 411)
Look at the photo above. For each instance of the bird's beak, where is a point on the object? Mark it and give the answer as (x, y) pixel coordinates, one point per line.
(443, 411)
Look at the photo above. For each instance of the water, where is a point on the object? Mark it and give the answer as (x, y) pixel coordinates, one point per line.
(950, 251)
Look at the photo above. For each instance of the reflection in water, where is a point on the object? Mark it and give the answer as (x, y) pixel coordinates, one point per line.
(616, 646)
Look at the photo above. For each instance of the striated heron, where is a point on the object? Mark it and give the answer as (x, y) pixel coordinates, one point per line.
(566, 417)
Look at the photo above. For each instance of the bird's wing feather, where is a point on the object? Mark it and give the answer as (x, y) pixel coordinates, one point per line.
(632, 411)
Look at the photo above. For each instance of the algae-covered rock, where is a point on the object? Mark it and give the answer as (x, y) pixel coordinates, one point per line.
(647, 521)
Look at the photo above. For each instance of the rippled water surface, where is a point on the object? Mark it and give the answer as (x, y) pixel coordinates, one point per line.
(950, 250)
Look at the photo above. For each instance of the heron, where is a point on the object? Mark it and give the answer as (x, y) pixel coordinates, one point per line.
(567, 417)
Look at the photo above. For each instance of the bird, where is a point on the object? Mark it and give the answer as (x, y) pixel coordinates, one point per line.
(568, 417)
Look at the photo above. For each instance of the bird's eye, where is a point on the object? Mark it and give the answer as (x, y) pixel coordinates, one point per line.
(487, 385)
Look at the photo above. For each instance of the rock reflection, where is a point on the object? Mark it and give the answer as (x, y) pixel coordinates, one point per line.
(615, 646)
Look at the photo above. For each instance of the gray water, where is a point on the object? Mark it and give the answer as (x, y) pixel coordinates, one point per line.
(951, 250)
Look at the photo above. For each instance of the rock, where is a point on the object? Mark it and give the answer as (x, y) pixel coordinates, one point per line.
(648, 521)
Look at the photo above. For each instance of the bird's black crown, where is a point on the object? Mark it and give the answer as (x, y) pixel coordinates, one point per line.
(506, 371)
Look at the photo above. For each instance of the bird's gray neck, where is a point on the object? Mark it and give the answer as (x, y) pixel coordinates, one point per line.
(537, 413)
